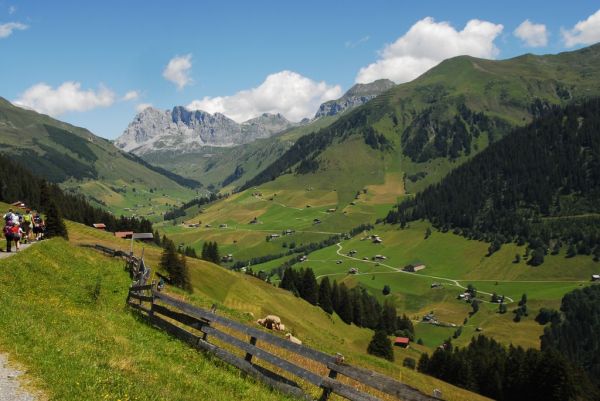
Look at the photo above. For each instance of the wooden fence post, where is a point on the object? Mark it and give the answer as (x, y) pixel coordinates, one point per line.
(249, 355)
(327, 391)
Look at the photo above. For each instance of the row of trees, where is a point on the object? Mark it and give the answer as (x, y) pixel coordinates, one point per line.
(532, 186)
(353, 305)
(201, 201)
(489, 368)
(210, 252)
(18, 183)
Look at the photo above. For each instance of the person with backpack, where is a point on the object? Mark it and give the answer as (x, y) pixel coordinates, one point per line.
(8, 234)
(8, 217)
(27, 225)
(17, 234)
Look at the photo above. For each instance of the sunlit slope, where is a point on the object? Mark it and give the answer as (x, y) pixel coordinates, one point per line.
(85, 163)
(246, 298)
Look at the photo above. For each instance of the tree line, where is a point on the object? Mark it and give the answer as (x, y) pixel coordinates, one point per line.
(18, 183)
(539, 185)
(353, 305)
(181, 211)
(511, 374)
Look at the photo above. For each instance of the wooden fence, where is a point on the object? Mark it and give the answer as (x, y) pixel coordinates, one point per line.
(175, 317)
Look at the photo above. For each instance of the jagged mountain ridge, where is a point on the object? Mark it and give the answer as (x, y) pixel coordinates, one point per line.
(356, 96)
(180, 129)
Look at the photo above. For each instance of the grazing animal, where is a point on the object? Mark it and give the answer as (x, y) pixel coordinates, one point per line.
(271, 322)
(293, 339)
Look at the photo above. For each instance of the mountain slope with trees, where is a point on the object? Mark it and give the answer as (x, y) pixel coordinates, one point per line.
(75, 158)
(445, 116)
(540, 184)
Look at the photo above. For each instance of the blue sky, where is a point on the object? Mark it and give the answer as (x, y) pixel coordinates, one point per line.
(77, 60)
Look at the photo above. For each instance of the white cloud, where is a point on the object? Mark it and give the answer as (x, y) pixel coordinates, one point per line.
(533, 35)
(131, 95)
(67, 97)
(285, 92)
(12, 10)
(584, 32)
(7, 29)
(351, 45)
(427, 43)
(142, 106)
(178, 69)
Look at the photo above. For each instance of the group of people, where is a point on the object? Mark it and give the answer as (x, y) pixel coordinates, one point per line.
(22, 228)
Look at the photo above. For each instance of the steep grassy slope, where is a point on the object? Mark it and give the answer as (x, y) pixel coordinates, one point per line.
(425, 127)
(62, 318)
(85, 163)
(238, 295)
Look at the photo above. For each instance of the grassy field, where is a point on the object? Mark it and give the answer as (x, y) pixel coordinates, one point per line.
(241, 297)
(454, 262)
(62, 317)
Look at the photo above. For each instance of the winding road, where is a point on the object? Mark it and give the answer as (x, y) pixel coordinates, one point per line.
(451, 281)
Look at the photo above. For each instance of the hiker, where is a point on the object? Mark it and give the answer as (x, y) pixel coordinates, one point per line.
(8, 234)
(27, 225)
(17, 234)
(9, 217)
(38, 227)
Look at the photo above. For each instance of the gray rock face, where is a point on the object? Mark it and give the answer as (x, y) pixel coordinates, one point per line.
(185, 130)
(356, 96)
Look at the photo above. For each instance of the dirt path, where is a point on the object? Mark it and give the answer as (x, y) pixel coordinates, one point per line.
(4, 255)
(10, 385)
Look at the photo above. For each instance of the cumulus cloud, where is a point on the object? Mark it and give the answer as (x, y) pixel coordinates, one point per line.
(67, 97)
(427, 43)
(7, 29)
(285, 92)
(178, 70)
(142, 106)
(533, 35)
(131, 95)
(584, 32)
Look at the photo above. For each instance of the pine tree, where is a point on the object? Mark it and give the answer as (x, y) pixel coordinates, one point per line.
(357, 308)
(381, 346)
(179, 273)
(346, 308)
(335, 297)
(388, 318)
(325, 295)
(55, 226)
(310, 289)
(287, 281)
(168, 259)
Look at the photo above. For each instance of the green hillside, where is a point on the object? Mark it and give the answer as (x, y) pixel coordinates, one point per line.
(83, 162)
(228, 167)
(57, 286)
(426, 127)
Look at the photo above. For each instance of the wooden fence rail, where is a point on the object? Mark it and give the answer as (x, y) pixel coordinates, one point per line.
(173, 315)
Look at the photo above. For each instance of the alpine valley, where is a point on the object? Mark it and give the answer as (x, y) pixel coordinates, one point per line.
(457, 215)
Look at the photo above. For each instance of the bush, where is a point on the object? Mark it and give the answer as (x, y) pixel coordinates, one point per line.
(409, 363)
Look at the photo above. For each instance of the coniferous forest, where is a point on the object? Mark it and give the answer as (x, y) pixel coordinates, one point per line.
(539, 185)
(18, 184)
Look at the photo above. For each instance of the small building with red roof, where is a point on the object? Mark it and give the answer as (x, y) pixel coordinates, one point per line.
(99, 226)
(402, 342)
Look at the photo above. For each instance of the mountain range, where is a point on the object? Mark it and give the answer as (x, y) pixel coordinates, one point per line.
(222, 152)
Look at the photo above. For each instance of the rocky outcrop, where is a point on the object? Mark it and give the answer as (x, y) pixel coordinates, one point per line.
(356, 96)
(185, 130)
